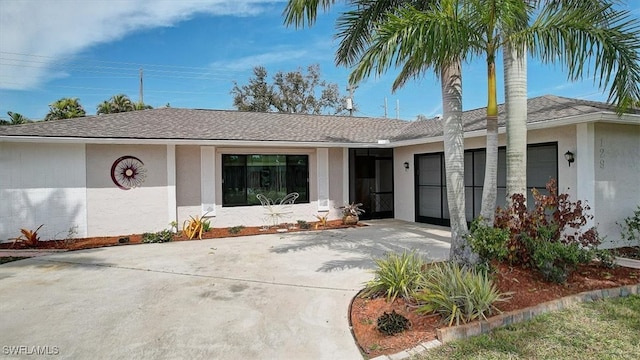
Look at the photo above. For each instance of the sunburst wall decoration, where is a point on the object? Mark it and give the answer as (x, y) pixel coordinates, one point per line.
(128, 172)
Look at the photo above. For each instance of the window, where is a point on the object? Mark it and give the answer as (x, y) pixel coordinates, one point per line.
(431, 191)
(245, 176)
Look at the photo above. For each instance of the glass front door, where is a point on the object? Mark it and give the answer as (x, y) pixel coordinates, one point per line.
(371, 181)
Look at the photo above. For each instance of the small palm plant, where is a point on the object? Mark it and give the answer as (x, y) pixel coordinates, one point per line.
(351, 213)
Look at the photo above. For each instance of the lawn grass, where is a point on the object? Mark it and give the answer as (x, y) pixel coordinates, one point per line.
(608, 329)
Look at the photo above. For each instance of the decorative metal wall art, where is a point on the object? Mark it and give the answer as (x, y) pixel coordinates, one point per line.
(128, 172)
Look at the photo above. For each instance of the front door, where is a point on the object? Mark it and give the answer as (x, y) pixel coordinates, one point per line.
(371, 181)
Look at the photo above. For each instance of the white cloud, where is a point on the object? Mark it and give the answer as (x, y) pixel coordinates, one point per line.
(265, 59)
(35, 34)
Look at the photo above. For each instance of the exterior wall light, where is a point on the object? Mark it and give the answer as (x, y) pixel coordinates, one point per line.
(406, 165)
(569, 157)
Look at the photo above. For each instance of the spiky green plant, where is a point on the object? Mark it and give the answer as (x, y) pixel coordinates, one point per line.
(396, 275)
(458, 294)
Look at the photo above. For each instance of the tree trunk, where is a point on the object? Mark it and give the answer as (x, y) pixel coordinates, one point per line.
(490, 186)
(451, 78)
(515, 94)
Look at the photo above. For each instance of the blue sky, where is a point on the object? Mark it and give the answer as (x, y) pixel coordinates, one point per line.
(192, 52)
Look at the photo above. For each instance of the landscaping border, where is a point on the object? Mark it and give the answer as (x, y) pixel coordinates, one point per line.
(452, 333)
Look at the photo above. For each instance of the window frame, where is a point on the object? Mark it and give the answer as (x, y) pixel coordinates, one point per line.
(245, 173)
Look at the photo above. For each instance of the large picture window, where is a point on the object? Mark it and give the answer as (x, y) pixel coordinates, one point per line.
(245, 176)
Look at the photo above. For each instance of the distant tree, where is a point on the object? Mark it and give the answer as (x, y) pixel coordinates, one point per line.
(292, 92)
(142, 106)
(14, 119)
(65, 108)
(103, 108)
(119, 103)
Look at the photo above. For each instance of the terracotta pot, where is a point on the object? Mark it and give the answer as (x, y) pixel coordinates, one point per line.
(350, 219)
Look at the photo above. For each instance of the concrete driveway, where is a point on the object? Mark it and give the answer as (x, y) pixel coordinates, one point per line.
(283, 296)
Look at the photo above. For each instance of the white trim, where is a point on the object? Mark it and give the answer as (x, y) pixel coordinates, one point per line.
(208, 179)
(345, 175)
(172, 203)
(322, 159)
(585, 165)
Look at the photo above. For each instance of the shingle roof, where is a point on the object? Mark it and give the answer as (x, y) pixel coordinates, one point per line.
(193, 124)
(539, 109)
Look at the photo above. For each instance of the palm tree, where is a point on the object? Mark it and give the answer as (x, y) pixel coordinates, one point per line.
(142, 106)
(355, 28)
(103, 108)
(120, 103)
(593, 26)
(16, 119)
(572, 33)
(65, 108)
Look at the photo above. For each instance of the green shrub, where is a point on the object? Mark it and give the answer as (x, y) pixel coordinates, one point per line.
(303, 224)
(158, 237)
(206, 225)
(489, 242)
(392, 323)
(458, 294)
(236, 229)
(396, 275)
(551, 218)
(606, 258)
(556, 261)
(630, 228)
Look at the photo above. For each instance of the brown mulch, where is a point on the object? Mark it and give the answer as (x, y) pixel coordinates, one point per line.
(528, 290)
(213, 233)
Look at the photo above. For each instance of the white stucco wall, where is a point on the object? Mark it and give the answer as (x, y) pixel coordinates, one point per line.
(113, 211)
(404, 182)
(42, 184)
(616, 162)
(188, 181)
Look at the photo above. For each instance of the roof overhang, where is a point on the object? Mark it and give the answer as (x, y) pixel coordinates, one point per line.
(198, 142)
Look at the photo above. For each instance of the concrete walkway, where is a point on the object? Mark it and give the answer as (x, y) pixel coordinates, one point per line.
(281, 296)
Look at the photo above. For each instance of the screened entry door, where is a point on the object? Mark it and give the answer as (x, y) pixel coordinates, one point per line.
(431, 190)
(371, 181)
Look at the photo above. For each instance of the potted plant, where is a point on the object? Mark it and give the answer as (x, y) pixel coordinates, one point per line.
(351, 213)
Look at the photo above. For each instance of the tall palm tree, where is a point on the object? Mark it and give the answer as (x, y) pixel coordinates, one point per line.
(65, 108)
(355, 28)
(571, 33)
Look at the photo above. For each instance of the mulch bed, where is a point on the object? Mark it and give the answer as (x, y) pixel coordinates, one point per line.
(213, 233)
(527, 286)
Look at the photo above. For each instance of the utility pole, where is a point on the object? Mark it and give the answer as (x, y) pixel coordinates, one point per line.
(141, 96)
(385, 107)
(398, 109)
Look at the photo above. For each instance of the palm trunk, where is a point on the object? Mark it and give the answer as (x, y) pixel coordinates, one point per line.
(490, 186)
(515, 94)
(451, 78)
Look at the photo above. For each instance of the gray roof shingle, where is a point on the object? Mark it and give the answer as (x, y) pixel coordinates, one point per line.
(193, 124)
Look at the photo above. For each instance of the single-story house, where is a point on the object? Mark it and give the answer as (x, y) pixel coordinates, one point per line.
(139, 171)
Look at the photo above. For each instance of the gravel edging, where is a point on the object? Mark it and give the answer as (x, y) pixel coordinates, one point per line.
(452, 333)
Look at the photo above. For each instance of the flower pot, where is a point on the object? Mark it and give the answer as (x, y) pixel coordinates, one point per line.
(350, 219)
